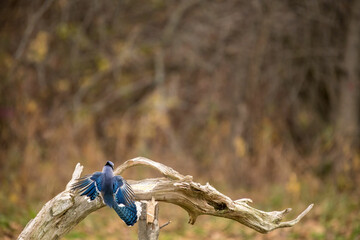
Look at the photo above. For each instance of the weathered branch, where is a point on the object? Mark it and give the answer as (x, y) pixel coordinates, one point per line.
(63, 212)
(148, 221)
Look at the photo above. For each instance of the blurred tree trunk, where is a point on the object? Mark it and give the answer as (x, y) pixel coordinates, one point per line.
(347, 127)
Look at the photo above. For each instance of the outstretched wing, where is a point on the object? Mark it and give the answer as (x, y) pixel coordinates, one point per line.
(89, 185)
(123, 192)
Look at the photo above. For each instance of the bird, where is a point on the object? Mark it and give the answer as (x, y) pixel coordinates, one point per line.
(115, 191)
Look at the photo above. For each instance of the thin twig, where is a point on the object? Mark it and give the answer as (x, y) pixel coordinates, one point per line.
(164, 225)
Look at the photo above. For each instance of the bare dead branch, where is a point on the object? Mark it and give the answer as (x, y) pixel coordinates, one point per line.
(148, 222)
(66, 210)
(165, 224)
(163, 169)
(30, 28)
(175, 19)
(115, 65)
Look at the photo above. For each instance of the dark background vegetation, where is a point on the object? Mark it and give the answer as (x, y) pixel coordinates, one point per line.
(260, 98)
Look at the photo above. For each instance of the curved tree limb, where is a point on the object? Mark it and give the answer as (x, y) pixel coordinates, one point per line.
(67, 209)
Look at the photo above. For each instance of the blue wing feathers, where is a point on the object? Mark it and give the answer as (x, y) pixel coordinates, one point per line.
(123, 192)
(92, 197)
(89, 190)
(89, 185)
(81, 182)
(125, 198)
(124, 205)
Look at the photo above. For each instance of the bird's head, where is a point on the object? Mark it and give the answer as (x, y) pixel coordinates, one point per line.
(110, 164)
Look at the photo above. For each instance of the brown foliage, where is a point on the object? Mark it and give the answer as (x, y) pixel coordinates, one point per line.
(240, 91)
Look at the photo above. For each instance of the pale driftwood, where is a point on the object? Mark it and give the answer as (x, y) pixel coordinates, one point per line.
(149, 221)
(67, 209)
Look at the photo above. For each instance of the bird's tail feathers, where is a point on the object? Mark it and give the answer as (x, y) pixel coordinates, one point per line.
(129, 214)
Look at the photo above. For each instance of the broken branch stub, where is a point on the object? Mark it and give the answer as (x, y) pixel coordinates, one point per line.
(63, 212)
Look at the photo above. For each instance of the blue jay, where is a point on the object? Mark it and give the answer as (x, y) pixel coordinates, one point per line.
(115, 191)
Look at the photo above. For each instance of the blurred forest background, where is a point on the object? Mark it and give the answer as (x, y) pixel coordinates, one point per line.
(260, 98)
